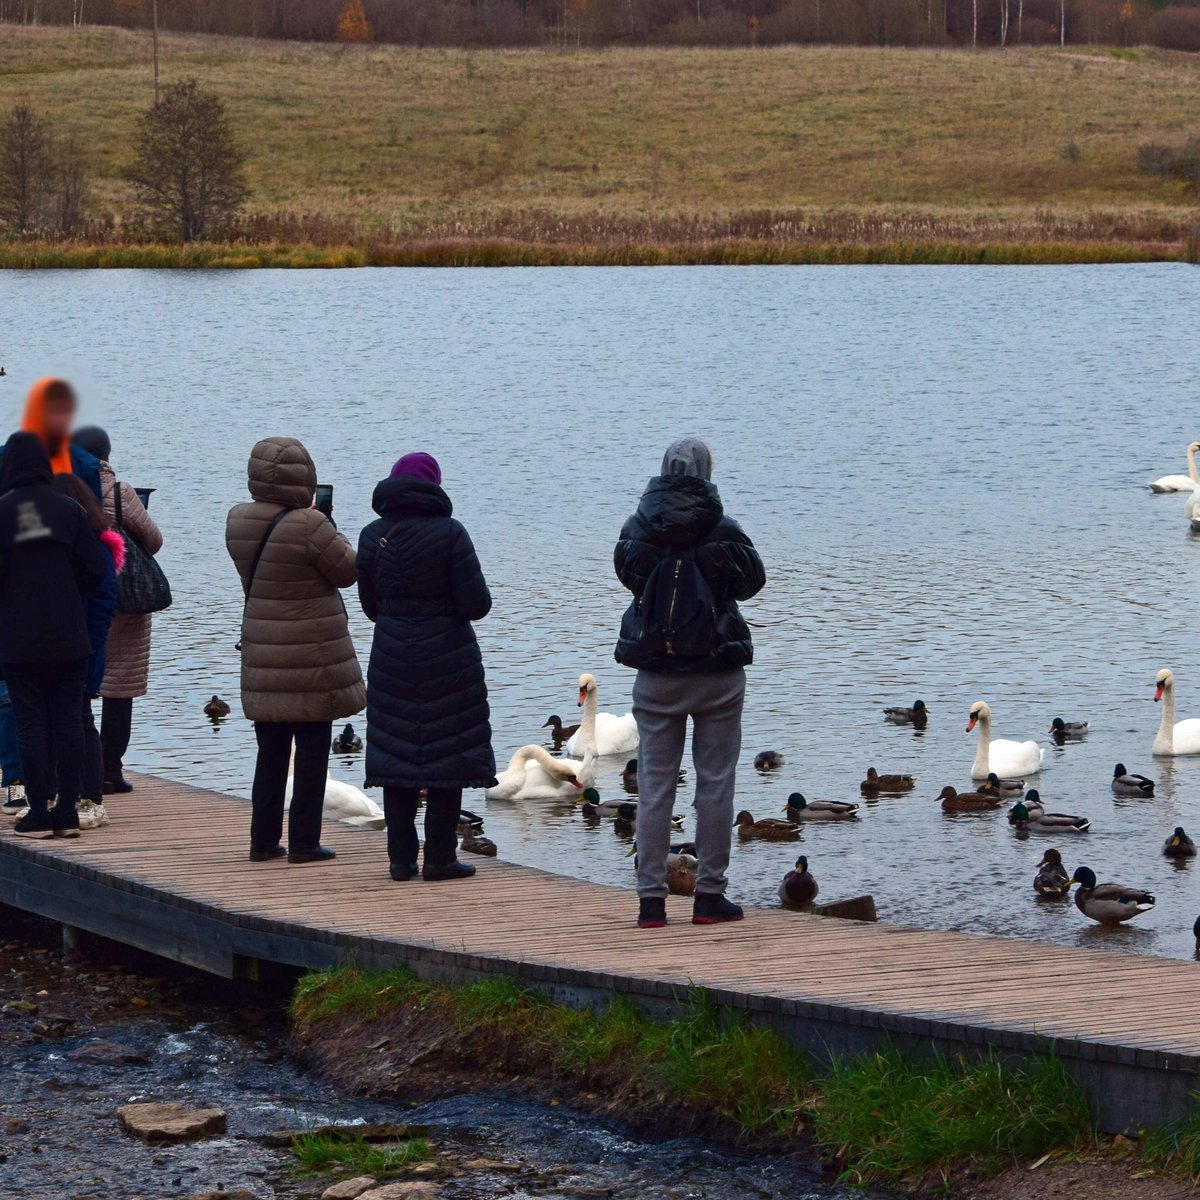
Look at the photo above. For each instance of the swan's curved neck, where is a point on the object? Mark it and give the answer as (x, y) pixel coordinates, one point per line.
(1166, 727)
(555, 767)
(587, 727)
(984, 724)
(1193, 474)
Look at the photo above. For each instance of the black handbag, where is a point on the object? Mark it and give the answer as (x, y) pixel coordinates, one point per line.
(142, 586)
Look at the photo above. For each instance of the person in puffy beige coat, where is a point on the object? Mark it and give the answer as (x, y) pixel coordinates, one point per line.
(127, 672)
(299, 669)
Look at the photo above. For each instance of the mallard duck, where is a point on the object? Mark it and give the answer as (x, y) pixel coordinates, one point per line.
(593, 806)
(1179, 845)
(770, 829)
(956, 801)
(798, 889)
(347, 742)
(1002, 787)
(217, 709)
(768, 760)
(1031, 805)
(917, 716)
(1033, 821)
(800, 809)
(875, 783)
(1124, 783)
(625, 818)
(681, 874)
(1108, 903)
(473, 842)
(467, 820)
(559, 732)
(1196, 933)
(629, 778)
(1067, 731)
(1052, 878)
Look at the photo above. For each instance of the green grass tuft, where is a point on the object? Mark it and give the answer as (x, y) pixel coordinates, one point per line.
(318, 1154)
(1175, 1147)
(892, 1119)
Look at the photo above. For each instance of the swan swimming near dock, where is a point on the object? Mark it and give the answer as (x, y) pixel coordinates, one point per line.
(1001, 757)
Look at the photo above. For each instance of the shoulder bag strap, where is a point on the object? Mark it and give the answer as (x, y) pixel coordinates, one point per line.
(249, 584)
(117, 515)
(383, 544)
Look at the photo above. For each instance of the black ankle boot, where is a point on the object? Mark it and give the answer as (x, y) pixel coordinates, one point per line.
(711, 909)
(316, 854)
(451, 870)
(652, 912)
(403, 872)
(267, 853)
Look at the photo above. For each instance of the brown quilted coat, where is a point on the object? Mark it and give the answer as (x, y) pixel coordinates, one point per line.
(127, 673)
(298, 662)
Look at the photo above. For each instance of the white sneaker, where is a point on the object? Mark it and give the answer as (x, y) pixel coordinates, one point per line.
(20, 813)
(91, 814)
(14, 799)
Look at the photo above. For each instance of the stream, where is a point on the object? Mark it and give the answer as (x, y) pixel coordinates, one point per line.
(81, 1037)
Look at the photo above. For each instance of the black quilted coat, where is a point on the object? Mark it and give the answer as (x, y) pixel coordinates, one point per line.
(428, 722)
(682, 511)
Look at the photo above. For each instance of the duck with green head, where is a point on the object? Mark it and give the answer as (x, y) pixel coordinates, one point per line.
(1037, 820)
(798, 889)
(1108, 903)
(800, 809)
(1179, 845)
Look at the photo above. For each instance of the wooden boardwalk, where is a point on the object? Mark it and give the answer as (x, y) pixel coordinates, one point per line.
(170, 875)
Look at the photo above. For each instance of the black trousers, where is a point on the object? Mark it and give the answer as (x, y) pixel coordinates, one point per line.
(91, 781)
(46, 701)
(116, 727)
(275, 740)
(442, 807)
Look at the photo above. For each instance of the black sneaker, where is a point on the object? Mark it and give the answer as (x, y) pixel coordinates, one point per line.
(315, 855)
(35, 824)
(258, 854)
(118, 786)
(403, 872)
(451, 870)
(714, 910)
(64, 818)
(652, 912)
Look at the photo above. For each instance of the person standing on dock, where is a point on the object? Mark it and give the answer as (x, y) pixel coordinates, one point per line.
(50, 559)
(299, 669)
(127, 655)
(428, 721)
(687, 565)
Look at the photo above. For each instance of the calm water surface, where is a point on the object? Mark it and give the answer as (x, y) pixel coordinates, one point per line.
(944, 469)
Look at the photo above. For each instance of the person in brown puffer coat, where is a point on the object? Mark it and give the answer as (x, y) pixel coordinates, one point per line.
(299, 669)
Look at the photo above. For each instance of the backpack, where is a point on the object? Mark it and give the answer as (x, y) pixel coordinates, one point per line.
(678, 609)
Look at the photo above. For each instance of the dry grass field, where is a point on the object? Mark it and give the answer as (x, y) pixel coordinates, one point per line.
(667, 147)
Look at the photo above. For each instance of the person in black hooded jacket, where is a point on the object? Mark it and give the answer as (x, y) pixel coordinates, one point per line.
(49, 560)
(428, 721)
(680, 532)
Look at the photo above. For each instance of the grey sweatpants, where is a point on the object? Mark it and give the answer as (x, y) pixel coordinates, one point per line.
(662, 704)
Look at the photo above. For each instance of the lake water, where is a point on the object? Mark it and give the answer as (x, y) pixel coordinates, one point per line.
(944, 469)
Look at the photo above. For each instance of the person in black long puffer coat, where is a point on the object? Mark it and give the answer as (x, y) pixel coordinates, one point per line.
(428, 722)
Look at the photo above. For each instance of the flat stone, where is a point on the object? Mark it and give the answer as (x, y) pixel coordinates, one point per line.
(379, 1131)
(239, 1194)
(349, 1189)
(407, 1190)
(109, 1054)
(170, 1122)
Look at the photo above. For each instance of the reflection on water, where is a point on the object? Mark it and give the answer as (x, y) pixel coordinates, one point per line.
(944, 468)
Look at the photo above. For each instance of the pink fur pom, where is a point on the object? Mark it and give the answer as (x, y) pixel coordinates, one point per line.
(116, 547)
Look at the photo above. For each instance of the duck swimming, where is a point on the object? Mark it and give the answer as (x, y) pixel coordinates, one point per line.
(347, 742)
(1052, 878)
(216, 709)
(1002, 787)
(1036, 820)
(593, 806)
(798, 889)
(1125, 783)
(1179, 845)
(917, 716)
(473, 842)
(559, 732)
(1108, 903)
(1067, 731)
(768, 760)
(800, 809)
(955, 801)
(875, 783)
(629, 779)
(769, 829)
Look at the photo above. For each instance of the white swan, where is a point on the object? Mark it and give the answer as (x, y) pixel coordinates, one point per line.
(1005, 758)
(1180, 483)
(1174, 737)
(604, 732)
(533, 773)
(344, 802)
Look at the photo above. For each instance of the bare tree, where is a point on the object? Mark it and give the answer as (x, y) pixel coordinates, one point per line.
(188, 175)
(1062, 22)
(1020, 19)
(70, 196)
(974, 23)
(1003, 23)
(24, 170)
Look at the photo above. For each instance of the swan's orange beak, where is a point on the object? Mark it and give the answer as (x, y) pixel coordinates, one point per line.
(1158, 691)
(582, 698)
(576, 783)
(971, 723)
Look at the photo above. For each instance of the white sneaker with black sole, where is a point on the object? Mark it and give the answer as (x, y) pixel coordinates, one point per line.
(14, 799)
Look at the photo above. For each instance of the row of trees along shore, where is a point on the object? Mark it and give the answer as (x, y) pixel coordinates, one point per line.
(1171, 24)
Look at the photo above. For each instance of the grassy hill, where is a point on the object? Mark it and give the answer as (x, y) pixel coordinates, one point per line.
(655, 147)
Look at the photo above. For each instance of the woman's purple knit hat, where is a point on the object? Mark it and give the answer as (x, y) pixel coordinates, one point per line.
(418, 466)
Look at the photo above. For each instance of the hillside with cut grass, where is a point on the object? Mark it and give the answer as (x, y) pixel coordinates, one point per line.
(382, 150)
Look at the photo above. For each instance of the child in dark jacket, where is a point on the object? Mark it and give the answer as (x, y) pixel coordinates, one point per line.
(100, 607)
(50, 559)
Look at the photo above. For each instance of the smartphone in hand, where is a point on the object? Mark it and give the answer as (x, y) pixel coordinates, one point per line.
(324, 499)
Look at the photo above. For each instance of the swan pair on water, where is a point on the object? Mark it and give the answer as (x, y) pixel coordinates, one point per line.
(535, 774)
(1185, 483)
